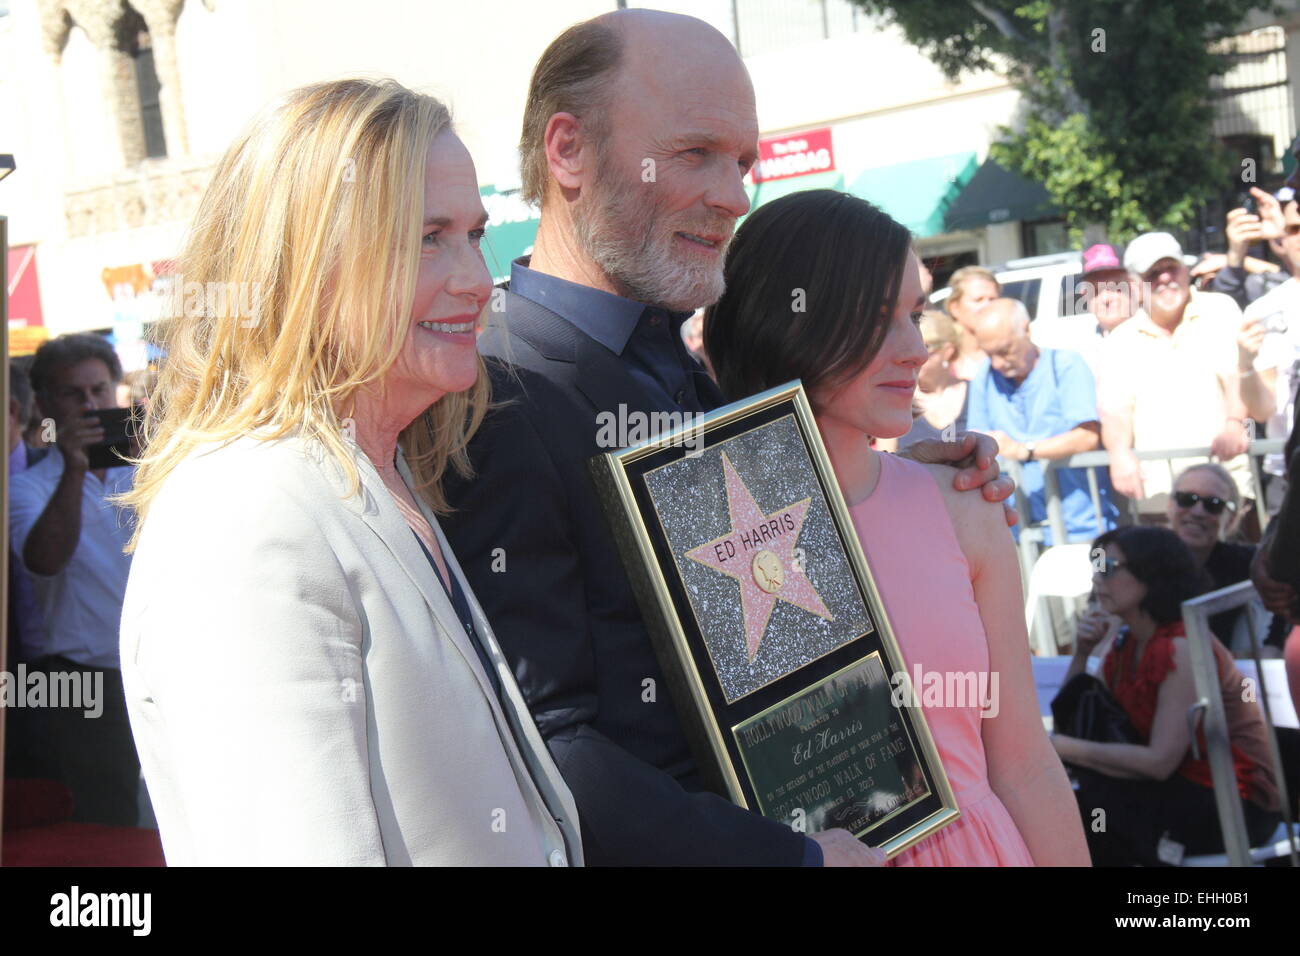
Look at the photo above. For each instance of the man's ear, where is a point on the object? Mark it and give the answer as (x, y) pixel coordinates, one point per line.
(566, 152)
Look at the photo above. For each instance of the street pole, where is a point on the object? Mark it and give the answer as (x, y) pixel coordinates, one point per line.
(6, 167)
(4, 482)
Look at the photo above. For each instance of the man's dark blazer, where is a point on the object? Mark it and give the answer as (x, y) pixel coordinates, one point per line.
(531, 535)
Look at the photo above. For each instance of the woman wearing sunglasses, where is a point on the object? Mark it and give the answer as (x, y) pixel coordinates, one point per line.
(1203, 511)
(1155, 795)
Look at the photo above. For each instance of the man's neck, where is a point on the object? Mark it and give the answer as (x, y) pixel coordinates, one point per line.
(1202, 554)
(1168, 320)
(1034, 355)
(1033, 363)
(556, 252)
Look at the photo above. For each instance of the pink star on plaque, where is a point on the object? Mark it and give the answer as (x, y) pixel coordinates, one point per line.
(758, 552)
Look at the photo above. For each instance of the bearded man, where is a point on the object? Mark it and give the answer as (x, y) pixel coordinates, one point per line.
(638, 131)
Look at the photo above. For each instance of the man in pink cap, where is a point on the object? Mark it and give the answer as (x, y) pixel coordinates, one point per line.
(1104, 289)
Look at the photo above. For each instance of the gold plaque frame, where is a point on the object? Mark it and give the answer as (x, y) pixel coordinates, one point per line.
(676, 632)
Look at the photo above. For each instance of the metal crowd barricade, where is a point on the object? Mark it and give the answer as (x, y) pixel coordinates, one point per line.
(1209, 704)
(1093, 460)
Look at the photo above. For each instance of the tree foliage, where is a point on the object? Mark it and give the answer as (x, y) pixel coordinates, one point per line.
(1118, 112)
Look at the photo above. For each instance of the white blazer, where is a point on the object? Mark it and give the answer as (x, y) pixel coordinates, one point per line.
(301, 690)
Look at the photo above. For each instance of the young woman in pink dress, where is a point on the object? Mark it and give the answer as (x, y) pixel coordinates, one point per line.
(824, 287)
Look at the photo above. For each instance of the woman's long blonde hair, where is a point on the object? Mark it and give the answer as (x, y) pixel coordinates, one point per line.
(313, 218)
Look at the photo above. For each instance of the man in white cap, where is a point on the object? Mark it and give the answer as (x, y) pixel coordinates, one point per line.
(1106, 292)
(1169, 377)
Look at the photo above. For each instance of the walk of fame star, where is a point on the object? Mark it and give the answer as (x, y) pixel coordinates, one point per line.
(758, 552)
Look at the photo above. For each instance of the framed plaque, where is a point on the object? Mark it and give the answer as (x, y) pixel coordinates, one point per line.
(768, 624)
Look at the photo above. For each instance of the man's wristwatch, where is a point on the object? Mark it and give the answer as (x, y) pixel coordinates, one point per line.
(1029, 451)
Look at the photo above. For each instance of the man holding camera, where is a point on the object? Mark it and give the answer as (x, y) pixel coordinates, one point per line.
(1236, 274)
(69, 536)
(1270, 346)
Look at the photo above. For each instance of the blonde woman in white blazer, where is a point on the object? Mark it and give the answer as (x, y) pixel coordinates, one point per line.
(309, 678)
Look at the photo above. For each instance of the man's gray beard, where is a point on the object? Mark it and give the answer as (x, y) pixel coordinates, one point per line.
(644, 265)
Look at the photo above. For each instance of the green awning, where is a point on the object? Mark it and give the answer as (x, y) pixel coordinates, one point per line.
(996, 194)
(760, 193)
(511, 230)
(918, 193)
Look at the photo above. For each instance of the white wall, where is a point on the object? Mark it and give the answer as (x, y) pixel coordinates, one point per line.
(889, 103)
(30, 123)
(872, 72)
(234, 60)
(477, 57)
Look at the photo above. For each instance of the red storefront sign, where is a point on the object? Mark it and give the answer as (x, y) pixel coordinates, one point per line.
(794, 154)
(26, 323)
(24, 288)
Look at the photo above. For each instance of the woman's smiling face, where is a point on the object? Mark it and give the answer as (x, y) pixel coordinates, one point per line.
(452, 281)
(878, 400)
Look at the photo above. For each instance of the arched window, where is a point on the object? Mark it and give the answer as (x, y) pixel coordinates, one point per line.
(146, 81)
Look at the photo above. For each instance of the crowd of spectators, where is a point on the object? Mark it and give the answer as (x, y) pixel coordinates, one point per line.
(1146, 362)
(1152, 363)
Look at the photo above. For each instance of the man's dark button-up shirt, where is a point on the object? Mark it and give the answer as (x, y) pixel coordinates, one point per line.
(648, 338)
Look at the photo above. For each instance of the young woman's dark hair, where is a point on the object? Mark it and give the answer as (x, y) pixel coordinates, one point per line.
(812, 282)
(1158, 558)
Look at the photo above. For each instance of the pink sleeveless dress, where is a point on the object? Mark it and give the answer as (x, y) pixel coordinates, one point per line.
(925, 583)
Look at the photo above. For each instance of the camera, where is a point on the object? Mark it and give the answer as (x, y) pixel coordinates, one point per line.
(1276, 322)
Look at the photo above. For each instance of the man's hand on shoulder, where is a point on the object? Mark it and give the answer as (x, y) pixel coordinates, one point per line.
(975, 457)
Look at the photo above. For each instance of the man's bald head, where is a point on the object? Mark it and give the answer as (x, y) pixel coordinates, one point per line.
(1002, 333)
(593, 69)
(658, 43)
(1002, 317)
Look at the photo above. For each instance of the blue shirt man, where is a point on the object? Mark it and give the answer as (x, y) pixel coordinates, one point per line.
(1040, 404)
